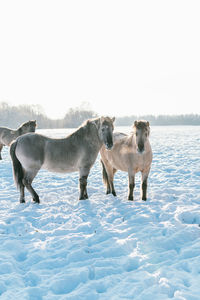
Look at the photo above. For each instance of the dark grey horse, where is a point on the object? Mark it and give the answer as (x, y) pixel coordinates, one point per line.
(76, 152)
(8, 135)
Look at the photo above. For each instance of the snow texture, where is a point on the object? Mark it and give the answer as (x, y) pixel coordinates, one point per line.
(106, 247)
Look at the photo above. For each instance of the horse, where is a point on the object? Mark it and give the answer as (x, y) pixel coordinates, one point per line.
(7, 135)
(130, 153)
(76, 152)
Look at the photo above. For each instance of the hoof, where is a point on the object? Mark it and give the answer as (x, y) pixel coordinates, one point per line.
(22, 201)
(85, 197)
(130, 198)
(36, 200)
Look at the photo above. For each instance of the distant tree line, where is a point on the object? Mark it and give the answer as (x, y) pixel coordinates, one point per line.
(188, 119)
(13, 116)
(75, 117)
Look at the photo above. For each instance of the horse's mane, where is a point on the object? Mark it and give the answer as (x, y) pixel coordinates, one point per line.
(141, 124)
(89, 126)
(84, 128)
(32, 121)
(129, 139)
(20, 126)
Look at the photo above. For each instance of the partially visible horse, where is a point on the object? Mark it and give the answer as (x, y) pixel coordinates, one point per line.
(76, 152)
(130, 153)
(8, 135)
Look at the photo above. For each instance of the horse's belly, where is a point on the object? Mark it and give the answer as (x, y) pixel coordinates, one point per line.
(135, 162)
(118, 164)
(59, 167)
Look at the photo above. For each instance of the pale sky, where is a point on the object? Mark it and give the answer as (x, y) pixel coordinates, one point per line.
(124, 57)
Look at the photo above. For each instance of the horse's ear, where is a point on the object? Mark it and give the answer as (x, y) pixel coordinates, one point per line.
(135, 123)
(113, 119)
(148, 123)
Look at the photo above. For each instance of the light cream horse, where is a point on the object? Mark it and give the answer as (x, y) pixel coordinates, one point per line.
(76, 152)
(8, 135)
(130, 153)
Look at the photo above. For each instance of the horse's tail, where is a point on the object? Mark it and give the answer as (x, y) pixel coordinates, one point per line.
(17, 167)
(105, 174)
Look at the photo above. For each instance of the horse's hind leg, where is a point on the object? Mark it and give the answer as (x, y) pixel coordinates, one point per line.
(105, 177)
(1, 146)
(22, 198)
(111, 182)
(32, 191)
(27, 181)
(108, 177)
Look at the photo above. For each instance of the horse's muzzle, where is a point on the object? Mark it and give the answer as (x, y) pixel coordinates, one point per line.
(109, 146)
(140, 147)
(140, 151)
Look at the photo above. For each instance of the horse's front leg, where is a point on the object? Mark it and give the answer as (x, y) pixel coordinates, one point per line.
(84, 172)
(131, 179)
(144, 185)
(83, 188)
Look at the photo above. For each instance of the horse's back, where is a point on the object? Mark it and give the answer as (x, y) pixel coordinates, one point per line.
(6, 136)
(56, 155)
(118, 136)
(62, 155)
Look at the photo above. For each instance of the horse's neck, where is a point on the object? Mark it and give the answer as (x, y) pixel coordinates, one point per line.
(147, 145)
(90, 134)
(8, 135)
(132, 141)
(17, 132)
(95, 134)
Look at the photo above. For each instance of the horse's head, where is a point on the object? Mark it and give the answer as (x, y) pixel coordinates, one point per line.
(141, 130)
(105, 129)
(29, 126)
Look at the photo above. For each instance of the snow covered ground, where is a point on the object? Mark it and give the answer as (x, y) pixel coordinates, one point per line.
(106, 247)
